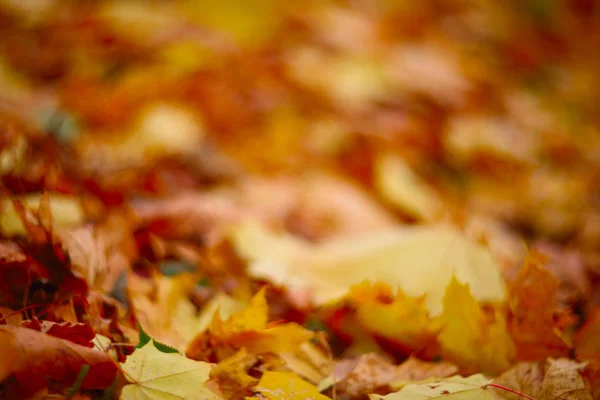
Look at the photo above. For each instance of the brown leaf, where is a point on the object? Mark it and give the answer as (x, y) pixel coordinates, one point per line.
(232, 377)
(33, 360)
(371, 373)
(552, 379)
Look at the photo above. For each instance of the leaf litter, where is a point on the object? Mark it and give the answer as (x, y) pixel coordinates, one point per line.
(253, 199)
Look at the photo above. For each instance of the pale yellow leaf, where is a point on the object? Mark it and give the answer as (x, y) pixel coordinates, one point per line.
(403, 189)
(154, 375)
(418, 260)
(454, 388)
(66, 212)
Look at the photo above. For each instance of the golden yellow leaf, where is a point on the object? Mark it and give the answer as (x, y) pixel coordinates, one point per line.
(287, 386)
(222, 305)
(395, 316)
(469, 337)
(247, 329)
(154, 375)
(252, 318)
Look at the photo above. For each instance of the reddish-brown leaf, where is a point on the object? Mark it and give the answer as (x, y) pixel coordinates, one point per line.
(33, 360)
(533, 318)
(78, 333)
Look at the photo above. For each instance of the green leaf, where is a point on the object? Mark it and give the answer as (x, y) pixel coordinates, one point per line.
(77, 385)
(145, 338)
(175, 267)
(204, 282)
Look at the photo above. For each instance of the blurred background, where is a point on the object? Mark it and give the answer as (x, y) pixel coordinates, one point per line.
(318, 118)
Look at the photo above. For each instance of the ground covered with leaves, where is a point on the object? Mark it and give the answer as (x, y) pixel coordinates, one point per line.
(293, 200)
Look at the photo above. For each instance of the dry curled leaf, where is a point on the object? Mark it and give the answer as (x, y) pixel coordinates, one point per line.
(371, 373)
(552, 379)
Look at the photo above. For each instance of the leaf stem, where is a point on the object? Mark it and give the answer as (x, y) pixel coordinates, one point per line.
(495, 385)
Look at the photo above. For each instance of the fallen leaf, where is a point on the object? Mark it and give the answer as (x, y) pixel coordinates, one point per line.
(309, 361)
(552, 379)
(78, 333)
(420, 261)
(163, 309)
(144, 339)
(402, 188)
(36, 360)
(66, 212)
(370, 373)
(456, 387)
(414, 369)
(287, 386)
(247, 329)
(587, 345)
(395, 316)
(155, 375)
(475, 340)
(100, 253)
(568, 266)
(222, 304)
(231, 375)
(532, 319)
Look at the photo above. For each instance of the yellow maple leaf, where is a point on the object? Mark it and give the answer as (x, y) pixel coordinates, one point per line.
(287, 386)
(471, 338)
(394, 316)
(419, 260)
(251, 318)
(247, 329)
(154, 375)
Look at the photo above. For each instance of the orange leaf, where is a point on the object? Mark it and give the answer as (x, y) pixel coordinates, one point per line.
(533, 305)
